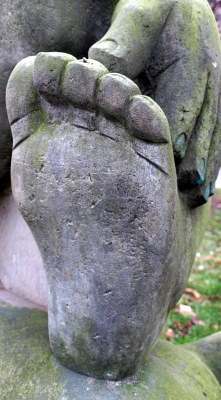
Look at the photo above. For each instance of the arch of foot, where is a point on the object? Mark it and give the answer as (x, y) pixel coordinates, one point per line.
(93, 174)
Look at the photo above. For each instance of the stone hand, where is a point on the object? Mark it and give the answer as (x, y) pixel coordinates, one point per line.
(93, 175)
(172, 50)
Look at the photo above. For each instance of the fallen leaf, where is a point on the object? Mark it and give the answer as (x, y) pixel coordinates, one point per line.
(196, 296)
(184, 310)
(178, 325)
(196, 321)
(189, 323)
(215, 298)
(185, 331)
(170, 334)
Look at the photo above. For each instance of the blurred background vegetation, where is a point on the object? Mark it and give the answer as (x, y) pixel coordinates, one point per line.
(216, 7)
(198, 312)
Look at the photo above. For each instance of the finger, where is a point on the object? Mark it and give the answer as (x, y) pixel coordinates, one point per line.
(187, 82)
(181, 66)
(200, 194)
(192, 169)
(214, 159)
(128, 44)
(180, 93)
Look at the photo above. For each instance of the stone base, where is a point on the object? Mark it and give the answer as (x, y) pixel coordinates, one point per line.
(28, 369)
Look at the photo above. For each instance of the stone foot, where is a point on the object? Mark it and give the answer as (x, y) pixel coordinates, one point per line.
(93, 175)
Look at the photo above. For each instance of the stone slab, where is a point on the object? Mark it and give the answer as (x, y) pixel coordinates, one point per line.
(28, 369)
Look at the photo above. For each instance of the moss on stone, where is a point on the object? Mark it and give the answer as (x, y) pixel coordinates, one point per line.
(28, 369)
(208, 350)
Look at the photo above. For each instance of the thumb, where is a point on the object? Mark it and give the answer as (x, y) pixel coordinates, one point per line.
(128, 44)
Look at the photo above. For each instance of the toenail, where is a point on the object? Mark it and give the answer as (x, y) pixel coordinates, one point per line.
(212, 188)
(106, 45)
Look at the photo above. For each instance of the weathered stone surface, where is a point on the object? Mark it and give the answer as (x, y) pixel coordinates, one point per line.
(171, 48)
(28, 369)
(209, 351)
(117, 239)
(30, 27)
(21, 267)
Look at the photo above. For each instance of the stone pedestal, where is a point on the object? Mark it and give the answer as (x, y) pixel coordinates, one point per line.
(28, 370)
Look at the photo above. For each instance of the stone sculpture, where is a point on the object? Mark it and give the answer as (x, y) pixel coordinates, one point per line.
(171, 48)
(94, 175)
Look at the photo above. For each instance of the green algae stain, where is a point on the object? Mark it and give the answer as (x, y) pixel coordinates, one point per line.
(26, 361)
(29, 371)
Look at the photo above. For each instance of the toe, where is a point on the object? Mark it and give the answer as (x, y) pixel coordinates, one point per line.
(114, 94)
(80, 81)
(147, 121)
(48, 70)
(23, 101)
(21, 95)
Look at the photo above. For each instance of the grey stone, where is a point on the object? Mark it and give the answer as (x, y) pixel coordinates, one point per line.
(114, 94)
(208, 350)
(21, 267)
(143, 120)
(170, 48)
(57, 65)
(30, 27)
(28, 369)
(86, 72)
(116, 237)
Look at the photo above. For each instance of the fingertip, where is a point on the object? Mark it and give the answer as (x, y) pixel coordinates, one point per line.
(104, 46)
(201, 171)
(191, 172)
(196, 197)
(212, 188)
(180, 146)
(207, 193)
(111, 55)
